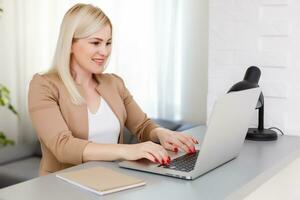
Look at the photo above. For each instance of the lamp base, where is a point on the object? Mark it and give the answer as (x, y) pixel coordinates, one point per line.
(261, 135)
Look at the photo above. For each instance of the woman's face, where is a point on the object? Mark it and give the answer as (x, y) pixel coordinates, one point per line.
(91, 53)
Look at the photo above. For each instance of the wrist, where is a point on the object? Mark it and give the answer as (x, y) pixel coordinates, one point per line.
(155, 133)
(122, 151)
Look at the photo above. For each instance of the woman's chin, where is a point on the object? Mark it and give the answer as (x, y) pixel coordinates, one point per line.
(98, 71)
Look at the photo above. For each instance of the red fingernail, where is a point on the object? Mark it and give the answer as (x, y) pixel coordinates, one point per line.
(176, 149)
(166, 160)
(163, 162)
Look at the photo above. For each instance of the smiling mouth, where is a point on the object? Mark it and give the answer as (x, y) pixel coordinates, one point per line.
(98, 61)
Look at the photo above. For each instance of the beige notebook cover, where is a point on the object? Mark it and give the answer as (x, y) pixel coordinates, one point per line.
(101, 180)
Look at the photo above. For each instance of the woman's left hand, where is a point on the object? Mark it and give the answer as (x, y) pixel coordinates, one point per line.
(173, 140)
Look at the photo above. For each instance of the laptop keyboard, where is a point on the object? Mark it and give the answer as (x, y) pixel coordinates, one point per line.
(184, 163)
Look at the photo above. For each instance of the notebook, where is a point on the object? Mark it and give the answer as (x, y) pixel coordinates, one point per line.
(101, 180)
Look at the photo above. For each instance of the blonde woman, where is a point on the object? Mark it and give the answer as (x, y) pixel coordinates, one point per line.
(79, 112)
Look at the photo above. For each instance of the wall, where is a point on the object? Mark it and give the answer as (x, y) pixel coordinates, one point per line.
(264, 33)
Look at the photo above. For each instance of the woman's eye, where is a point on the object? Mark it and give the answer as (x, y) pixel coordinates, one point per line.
(95, 43)
(109, 43)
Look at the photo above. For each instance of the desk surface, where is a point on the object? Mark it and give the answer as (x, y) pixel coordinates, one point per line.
(257, 162)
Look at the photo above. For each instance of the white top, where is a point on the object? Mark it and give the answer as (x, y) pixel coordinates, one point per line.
(104, 126)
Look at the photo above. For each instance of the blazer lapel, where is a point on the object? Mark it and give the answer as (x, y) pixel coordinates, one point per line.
(81, 115)
(113, 100)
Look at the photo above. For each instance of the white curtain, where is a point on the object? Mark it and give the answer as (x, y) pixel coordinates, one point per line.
(145, 50)
(36, 29)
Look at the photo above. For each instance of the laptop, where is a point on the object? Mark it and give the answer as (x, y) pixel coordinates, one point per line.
(222, 141)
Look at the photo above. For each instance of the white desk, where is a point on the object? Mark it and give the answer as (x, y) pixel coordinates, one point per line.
(258, 162)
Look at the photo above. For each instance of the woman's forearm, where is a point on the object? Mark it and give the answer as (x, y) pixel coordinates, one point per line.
(104, 152)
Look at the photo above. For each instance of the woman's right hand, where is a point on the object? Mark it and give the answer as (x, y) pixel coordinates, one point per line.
(149, 150)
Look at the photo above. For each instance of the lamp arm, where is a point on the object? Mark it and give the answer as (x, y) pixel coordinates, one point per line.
(261, 118)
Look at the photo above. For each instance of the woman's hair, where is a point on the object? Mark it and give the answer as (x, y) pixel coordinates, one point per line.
(80, 21)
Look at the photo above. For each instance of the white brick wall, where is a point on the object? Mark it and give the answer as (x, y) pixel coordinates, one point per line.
(265, 33)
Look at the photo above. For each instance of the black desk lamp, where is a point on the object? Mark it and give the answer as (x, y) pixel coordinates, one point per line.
(251, 81)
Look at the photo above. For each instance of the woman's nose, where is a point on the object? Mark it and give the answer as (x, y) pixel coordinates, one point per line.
(103, 50)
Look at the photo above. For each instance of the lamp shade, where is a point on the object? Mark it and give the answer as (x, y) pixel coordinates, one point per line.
(250, 81)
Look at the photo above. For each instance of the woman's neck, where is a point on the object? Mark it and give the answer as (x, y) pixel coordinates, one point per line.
(81, 76)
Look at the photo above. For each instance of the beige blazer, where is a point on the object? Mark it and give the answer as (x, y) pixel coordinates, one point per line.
(62, 127)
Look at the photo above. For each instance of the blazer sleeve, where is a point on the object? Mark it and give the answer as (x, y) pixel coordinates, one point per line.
(137, 121)
(49, 123)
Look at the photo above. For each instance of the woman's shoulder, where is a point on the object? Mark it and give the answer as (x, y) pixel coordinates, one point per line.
(46, 77)
(46, 80)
